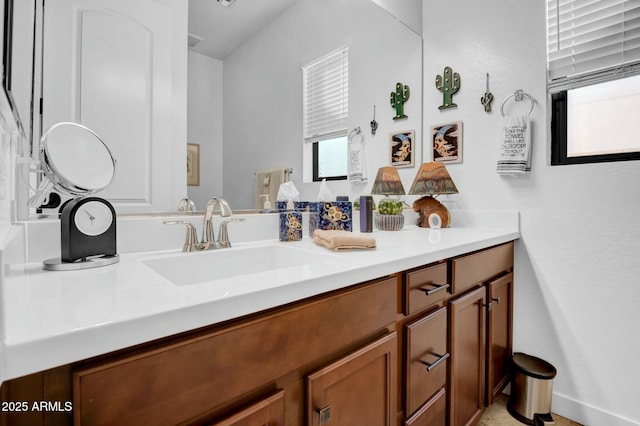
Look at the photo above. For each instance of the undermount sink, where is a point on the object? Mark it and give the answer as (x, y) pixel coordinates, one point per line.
(194, 268)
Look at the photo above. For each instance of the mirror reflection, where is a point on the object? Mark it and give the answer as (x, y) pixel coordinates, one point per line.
(74, 161)
(129, 75)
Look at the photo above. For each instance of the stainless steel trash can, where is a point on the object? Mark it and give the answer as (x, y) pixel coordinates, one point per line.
(531, 389)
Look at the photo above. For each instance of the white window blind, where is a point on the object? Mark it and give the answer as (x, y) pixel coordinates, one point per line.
(326, 96)
(591, 41)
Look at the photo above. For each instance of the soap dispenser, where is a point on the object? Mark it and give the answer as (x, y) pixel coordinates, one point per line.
(290, 223)
(266, 205)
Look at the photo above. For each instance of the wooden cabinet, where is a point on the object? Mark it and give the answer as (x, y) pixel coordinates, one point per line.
(467, 345)
(424, 347)
(455, 320)
(231, 374)
(499, 334)
(480, 330)
(358, 389)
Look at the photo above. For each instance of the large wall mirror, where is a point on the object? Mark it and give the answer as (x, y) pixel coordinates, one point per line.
(151, 76)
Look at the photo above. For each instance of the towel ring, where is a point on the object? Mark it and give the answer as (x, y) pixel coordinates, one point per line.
(518, 95)
(356, 132)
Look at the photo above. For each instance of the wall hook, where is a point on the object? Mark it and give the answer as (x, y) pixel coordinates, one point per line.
(487, 98)
(374, 123)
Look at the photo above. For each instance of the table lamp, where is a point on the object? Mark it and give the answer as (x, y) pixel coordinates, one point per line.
(389, 217)
(432, 180)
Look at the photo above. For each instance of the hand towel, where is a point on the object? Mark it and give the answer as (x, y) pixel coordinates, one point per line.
(515, 145)
(357, 168)
(342, 240)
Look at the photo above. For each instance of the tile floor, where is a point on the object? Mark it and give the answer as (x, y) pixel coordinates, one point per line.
(497, 415)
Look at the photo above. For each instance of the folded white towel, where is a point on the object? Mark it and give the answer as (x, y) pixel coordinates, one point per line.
(515, 145)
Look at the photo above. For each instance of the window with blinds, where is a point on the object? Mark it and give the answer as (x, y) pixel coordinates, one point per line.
(591, 41)
(593, 63)
(326, 113)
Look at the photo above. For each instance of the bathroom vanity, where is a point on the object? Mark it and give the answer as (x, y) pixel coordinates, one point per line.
(411, 333)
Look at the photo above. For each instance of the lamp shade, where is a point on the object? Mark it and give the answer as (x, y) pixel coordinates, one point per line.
(388, 182)
(433, 179)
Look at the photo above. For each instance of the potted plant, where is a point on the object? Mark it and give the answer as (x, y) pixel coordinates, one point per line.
(389, 217)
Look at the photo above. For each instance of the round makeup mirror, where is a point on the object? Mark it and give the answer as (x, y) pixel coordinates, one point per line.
(74, 160)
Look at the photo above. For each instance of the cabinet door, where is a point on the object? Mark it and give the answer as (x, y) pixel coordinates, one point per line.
(499, 334)
(266, 412)
(467, 348)
(426, 358)
(358, 389)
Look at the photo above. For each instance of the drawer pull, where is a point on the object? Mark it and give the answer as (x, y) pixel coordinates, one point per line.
(434, 364)
(488, 305)
(324, 414)
(438, 287)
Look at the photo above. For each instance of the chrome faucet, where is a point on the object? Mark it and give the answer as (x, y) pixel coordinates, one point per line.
(208, 241)
(207, 223)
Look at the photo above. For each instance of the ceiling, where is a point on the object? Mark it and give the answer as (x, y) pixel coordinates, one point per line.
(223, 29)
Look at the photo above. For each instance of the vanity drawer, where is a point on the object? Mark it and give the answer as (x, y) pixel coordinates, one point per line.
(426, 358)
(433, 413)
(481, 266)
(423, 287)
(179, 380)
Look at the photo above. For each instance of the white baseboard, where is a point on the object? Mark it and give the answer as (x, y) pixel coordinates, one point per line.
(587, 414)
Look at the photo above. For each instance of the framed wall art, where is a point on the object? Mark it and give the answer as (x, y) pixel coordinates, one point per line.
(193, 164)
(401, 148)
(446, 142)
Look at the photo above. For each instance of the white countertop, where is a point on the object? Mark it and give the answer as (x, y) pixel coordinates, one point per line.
(55, 318)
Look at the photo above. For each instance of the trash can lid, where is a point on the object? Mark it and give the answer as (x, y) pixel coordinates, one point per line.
(533, 366)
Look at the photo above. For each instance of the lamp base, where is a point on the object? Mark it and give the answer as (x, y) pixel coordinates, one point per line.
(428, 206)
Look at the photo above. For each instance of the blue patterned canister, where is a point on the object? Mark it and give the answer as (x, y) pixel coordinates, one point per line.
(290, 226)
(332, 215)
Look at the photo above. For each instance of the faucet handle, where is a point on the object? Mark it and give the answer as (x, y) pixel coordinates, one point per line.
(223, 235)
(191, 238)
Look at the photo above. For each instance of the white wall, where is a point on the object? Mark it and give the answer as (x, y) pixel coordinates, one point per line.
(577, 293)
(204, 124)
(407, 11)
(263, 91)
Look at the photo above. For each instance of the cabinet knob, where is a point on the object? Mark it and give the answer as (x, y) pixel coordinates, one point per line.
(434, 364)
(324, 414)
(437, 288)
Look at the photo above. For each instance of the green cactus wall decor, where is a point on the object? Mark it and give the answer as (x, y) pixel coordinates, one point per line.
(398, 98)
(448, 84)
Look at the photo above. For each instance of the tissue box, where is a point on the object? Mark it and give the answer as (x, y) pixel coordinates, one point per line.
(299, 206)
(290, 226)
(330, 215)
